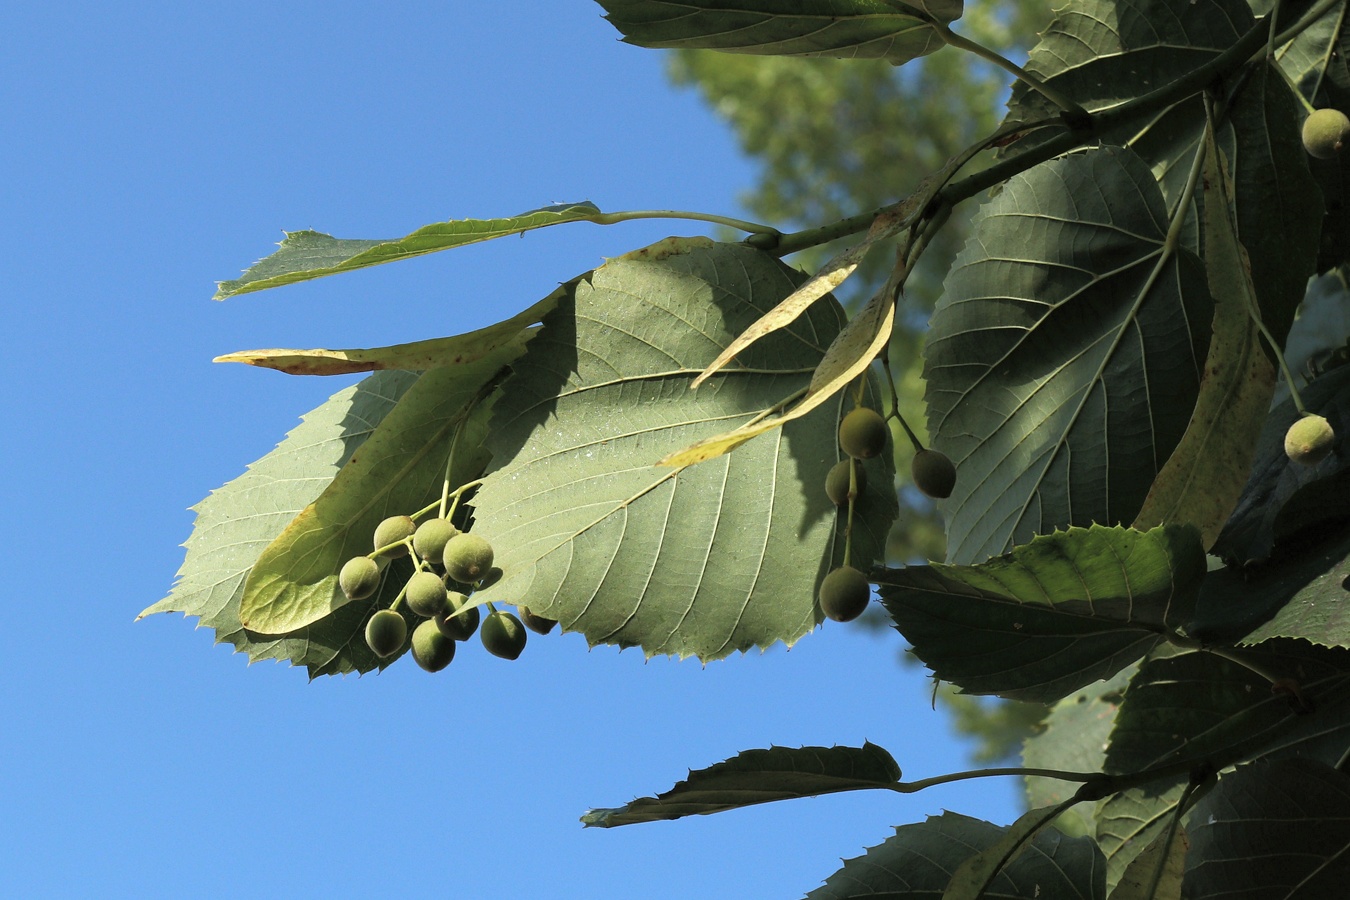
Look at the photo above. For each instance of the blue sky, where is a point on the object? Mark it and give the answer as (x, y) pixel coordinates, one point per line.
(151, 149)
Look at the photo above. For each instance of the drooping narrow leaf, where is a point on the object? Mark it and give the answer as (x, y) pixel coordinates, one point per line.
(759, 776)
(310, 254)
(416, 356)
(1205, 475)
(433, 434)
(919, 861)
(1272, 829)
(1065, 356)
(590, 532)
(856, 29)
(1052, 616)
(237, 522)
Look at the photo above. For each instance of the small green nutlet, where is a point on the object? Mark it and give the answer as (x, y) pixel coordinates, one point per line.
(426, 594)
(844, 594)
(1325, 132)
(359, 578)
(430, 538)
(863, 433)
(836, 481)
(467, 558)
(457, 622)
(503, 635)
(934, 473)
(393, 530)
(1309, 440)
(431, 649)
(537, 624)
(385, 633)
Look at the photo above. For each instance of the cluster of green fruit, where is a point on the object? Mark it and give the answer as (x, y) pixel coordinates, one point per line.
(863, 432)
(448, 566)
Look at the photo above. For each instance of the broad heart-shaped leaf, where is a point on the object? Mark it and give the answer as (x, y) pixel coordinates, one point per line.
(977, 875)
(417, 356)
(237, 522)
(1202, 480)
(433, 435)
(1198, 707)
(311, 254)
(1053, 615)
(918, 863)
(1286, 506)
(1272, 829)
(704, 560)
(856, 29)
(759, 776)
(1129, 822)
(1104, 52)
(1137, 882)
(1065, 355)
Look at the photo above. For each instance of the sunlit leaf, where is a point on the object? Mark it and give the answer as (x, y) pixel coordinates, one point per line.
(590, 532)
(310, 254)
(759, 776)
(1128, 822)
(1137, 881)
(237, 522)
(1052, 616)
(857, 29)
(1065, 356)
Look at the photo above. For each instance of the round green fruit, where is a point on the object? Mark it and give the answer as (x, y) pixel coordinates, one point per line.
(503, 635)
(359, 578)
(467, 558)
(385, 633)
(394, 530)
(934, 473)
(1309, 440)
(430, 538)
(836, 482)
(431, 649)
(537, 624)
(426, 594)
(863, 433)
(1325, 132)
(844, 594)
(458, 623)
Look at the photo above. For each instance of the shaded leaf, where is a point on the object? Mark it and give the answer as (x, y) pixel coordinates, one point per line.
(856, 29)
(976, 876)
(434, 434)
(920, 860)
(311, 254)
(759, 776)
(1068, 344)
(237, 522)
(1130, 821)
(1272, 829)
(1137, 882)
(1052, 616)
(1199, 707)
(680, 561)
(417, 356)
(1202, 480)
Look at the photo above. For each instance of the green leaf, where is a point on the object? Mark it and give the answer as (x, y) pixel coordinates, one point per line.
(705, 560)
(418, 355)
(310, 254)
(237, 522)
(920, 860)
(1202, 480)
(1272, 829)
(857, 29)
(434, 434)
(1199, 707)
(1052, 616)
(977, 875)
(1068, 345)
(1129, 822)
(1074, 740)
(1137, 881)
(759, 776)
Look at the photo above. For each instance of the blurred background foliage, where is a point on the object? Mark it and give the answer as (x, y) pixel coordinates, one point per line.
(835, 138)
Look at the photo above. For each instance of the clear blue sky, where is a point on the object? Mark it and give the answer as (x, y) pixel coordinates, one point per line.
(150, 149)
